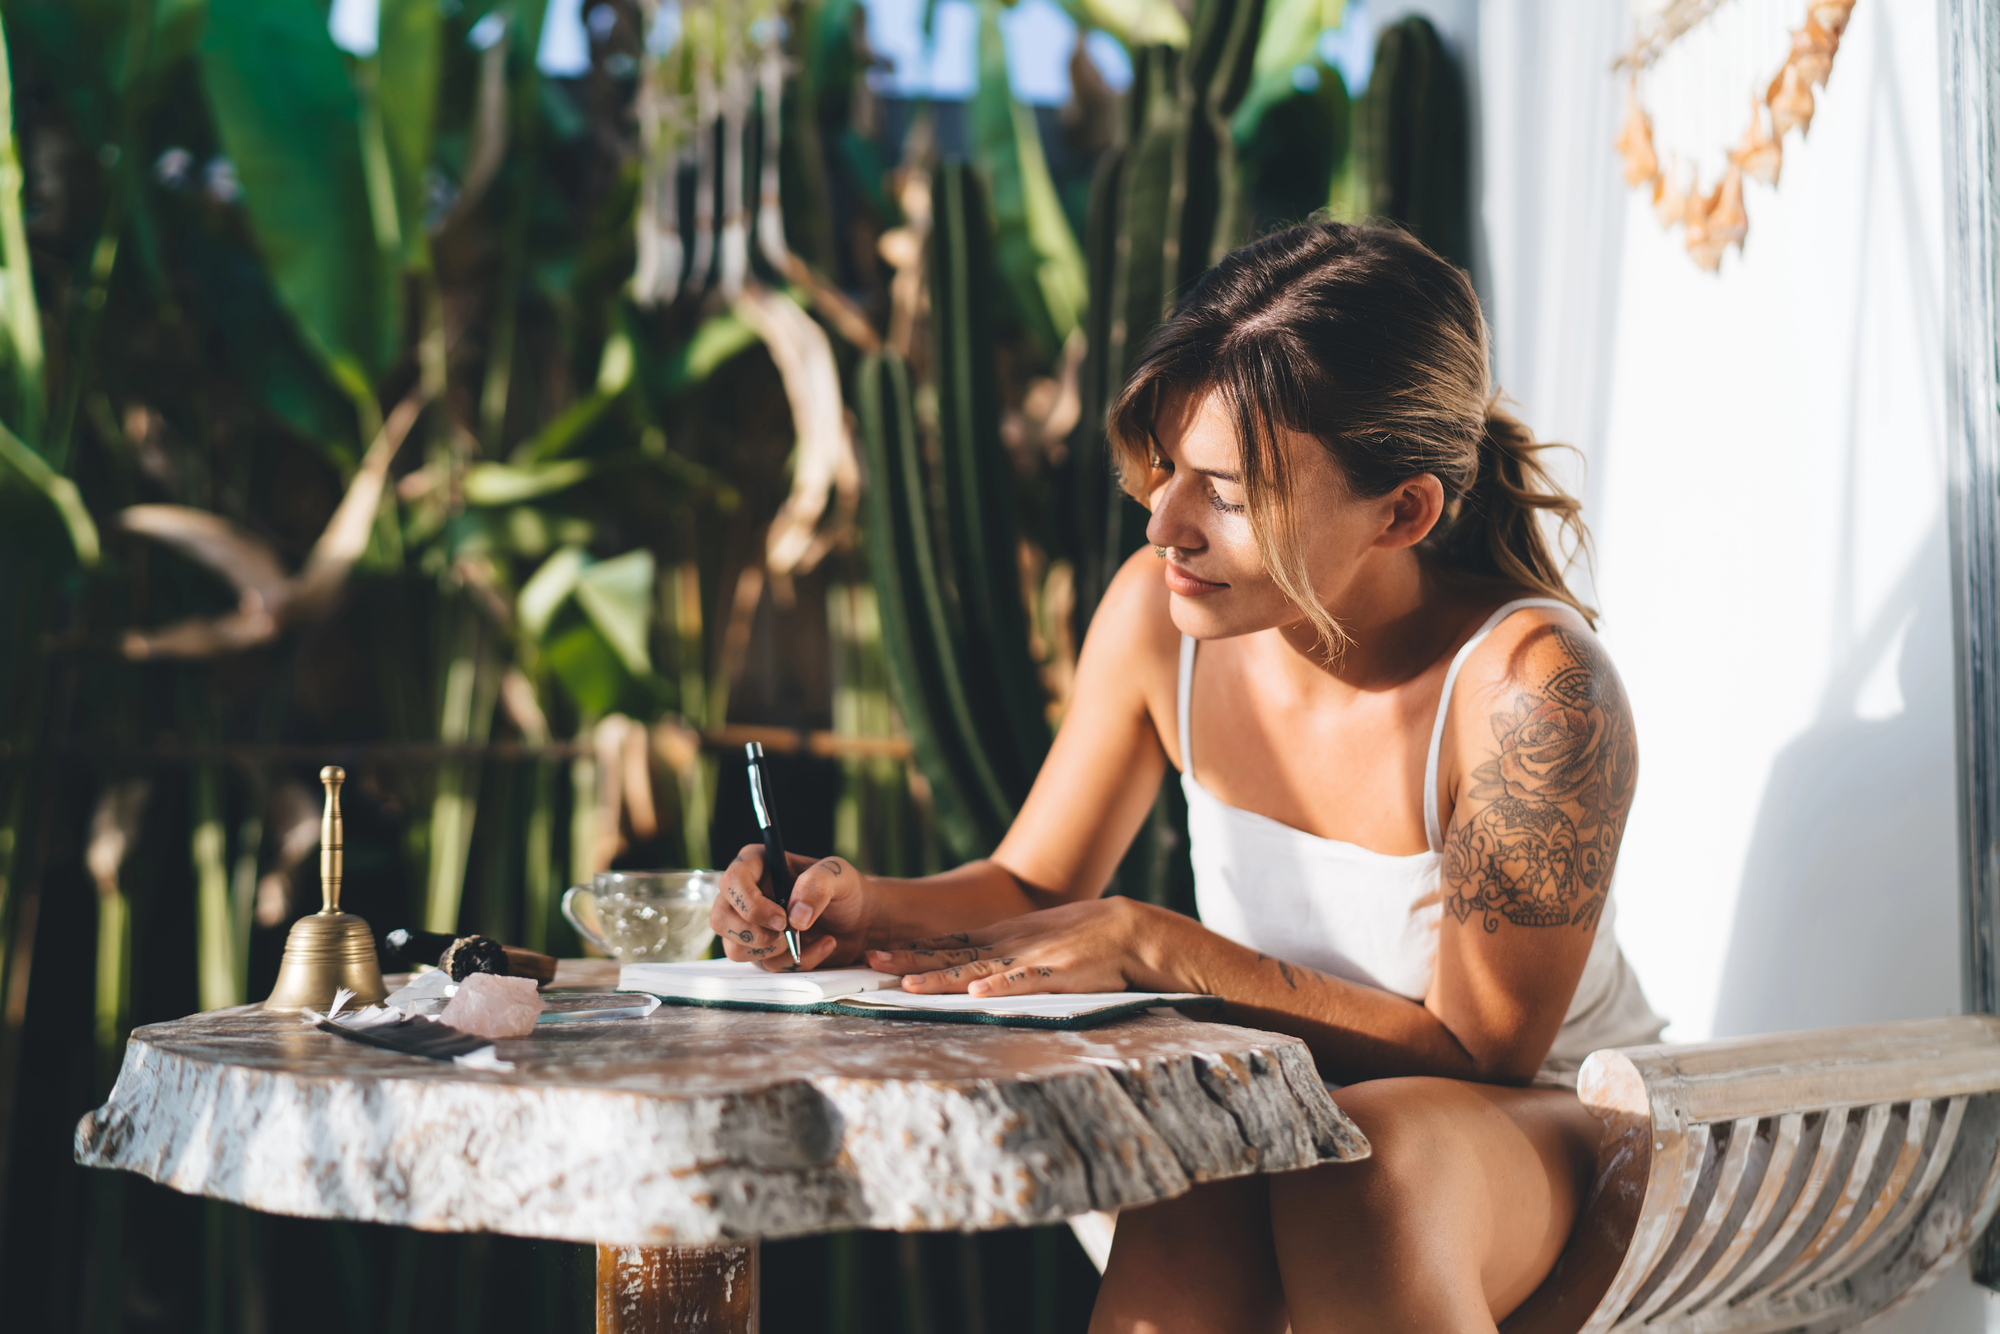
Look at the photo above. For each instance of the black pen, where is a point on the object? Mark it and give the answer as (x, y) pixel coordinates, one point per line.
(779, 869)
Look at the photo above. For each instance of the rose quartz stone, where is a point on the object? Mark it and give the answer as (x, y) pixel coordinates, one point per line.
(489, 1006)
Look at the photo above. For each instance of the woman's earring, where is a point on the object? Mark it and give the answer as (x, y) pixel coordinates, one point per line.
(1161, 552)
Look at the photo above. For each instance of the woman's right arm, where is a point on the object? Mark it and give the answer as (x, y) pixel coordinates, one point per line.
(1088, 801)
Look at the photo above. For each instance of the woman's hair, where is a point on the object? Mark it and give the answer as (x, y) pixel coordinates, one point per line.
(1364, 340)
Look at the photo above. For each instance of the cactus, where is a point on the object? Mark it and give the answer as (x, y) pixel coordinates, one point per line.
(945, 571)
(1410, 130)
(969, 803)
(1166, 205)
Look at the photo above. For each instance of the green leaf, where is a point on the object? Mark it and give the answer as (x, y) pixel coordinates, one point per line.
(1135, 23)
(409, 64)
(510, 484)
(548, 588)
(588, 668)
(614, 375)
(409, 99)
(718, 340)
(617, 595)
(1290, 32)
(22, 318)
(60, 490)
(1037, 253)
(290, 120)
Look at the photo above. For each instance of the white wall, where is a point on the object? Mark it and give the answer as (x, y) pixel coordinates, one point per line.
(1767, 485)
(1775, 578)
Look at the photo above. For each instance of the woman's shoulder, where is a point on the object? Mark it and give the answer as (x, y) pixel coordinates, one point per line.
(1132, 632)
(1542, 679)
(1138, 604)
(1540, 648)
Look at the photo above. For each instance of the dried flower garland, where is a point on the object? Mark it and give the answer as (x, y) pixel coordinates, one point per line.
(1714, 219)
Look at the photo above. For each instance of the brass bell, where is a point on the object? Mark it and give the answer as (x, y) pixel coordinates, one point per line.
(329, 950)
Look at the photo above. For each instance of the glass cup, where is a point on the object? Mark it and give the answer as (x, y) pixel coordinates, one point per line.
(645, 916)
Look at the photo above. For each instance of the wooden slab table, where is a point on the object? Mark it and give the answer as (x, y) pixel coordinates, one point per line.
(675, 1142)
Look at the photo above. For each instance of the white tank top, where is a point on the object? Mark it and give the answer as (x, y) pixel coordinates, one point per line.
(1367, 916)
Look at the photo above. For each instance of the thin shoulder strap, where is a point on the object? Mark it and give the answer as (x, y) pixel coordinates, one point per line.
(1184, 699)
(1432, 830)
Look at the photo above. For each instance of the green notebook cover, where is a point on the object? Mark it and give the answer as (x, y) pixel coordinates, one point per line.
(840, 1006)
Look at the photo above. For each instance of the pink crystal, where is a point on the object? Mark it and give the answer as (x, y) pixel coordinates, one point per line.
(489, 1006)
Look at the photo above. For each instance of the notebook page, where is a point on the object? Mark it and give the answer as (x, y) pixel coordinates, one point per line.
(726, 979)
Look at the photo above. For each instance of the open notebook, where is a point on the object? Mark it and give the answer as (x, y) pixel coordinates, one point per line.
(722, 982)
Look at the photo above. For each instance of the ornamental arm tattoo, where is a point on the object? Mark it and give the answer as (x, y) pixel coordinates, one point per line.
(1536, 832)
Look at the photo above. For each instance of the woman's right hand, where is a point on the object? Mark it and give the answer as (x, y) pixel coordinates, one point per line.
(829, 909)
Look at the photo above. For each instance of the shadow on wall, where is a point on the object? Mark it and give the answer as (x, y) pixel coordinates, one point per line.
(1848, 911)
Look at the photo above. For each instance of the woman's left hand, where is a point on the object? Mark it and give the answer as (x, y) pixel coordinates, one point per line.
(1101, 945)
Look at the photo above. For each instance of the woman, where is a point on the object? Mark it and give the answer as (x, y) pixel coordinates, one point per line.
(1408, 765)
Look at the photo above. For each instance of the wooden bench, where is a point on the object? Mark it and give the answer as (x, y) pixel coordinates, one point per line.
(1798, 1181)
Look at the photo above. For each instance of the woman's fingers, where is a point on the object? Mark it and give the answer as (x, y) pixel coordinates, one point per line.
(915, 957)
(818, 882)
(1017, 979)
(741, 940)
(958, 977)
(740, 890)
(812, 953)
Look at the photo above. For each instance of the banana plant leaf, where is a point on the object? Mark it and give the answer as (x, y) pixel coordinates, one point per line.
(409, 67)
(1135, 23)
(290, 119)
(20, 318)
(1036, 250)
(548, 588)
(617, 595)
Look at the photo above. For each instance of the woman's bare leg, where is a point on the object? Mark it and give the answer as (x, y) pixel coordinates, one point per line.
(1199, 1264)
(1458, 1216)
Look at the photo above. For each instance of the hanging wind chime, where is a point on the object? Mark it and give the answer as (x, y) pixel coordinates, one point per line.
(1713, 218)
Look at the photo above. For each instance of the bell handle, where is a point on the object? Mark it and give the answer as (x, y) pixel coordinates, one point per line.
(330, 839)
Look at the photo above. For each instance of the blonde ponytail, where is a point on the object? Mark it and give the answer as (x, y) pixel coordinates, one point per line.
(1498, 529)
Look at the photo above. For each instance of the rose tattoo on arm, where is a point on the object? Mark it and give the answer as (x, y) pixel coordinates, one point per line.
(1539, 825)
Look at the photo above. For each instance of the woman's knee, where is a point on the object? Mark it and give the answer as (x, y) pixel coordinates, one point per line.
(1459, 1172)
(1417, 1134)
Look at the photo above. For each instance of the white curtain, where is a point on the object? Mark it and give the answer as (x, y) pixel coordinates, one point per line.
(1552, 209)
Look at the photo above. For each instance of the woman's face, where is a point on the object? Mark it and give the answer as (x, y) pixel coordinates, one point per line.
(1218, 579)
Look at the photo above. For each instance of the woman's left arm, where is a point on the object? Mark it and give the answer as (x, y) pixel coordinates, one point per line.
(1544, 775)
